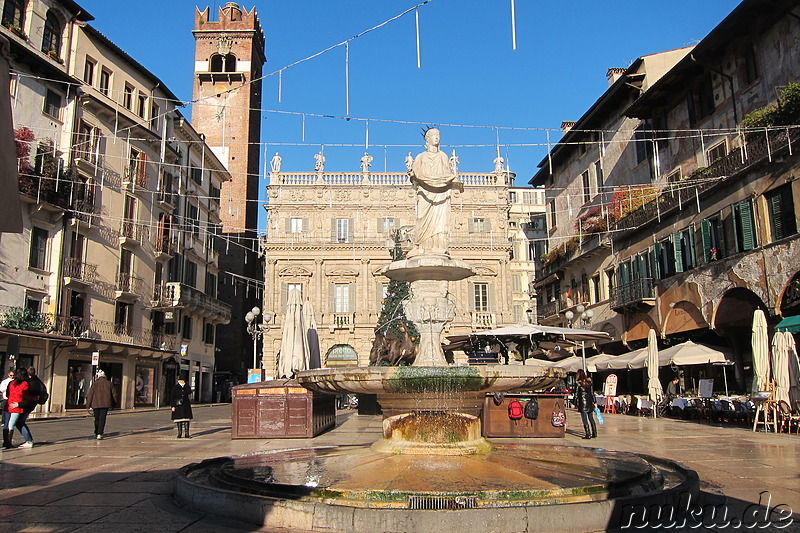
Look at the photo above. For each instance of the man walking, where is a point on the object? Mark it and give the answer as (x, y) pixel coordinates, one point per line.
(100, 399)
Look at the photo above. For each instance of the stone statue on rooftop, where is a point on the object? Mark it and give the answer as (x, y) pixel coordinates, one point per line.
(454, 163)
(366, 162)
(499, 163)
(275, 163)
(409, 161)
(433, 179)
(319, 162)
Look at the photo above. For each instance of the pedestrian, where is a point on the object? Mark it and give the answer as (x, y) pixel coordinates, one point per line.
(19, 400)
(181, 408)
(585, 403)
(4, 396)
(100, 399)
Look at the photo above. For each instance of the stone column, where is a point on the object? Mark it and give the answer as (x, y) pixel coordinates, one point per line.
(429, 309)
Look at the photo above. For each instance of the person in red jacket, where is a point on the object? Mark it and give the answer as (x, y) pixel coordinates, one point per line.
(18, 397)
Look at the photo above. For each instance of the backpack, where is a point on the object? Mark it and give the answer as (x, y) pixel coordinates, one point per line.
(514, 409)
(43, 397)
(532, 409)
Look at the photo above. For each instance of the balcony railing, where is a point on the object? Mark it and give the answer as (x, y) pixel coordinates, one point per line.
(636, 291)
(136, 174)
(134, 231)
(343, 320)
(483, 319)
(79, 327)
(552, 308)
(166, 245)
(167, 197)
(174, 294)
(759, 146)
(79, 270)
(373, 178)
(128, 283)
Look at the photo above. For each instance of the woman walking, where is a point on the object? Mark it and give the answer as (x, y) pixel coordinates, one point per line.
(18, 399)
(181, 408)
(586, 403)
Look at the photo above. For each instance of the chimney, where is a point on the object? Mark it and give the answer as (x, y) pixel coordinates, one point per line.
(614, 74)
(567, 125)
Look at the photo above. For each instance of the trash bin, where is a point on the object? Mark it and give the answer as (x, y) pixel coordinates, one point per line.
(280, 408)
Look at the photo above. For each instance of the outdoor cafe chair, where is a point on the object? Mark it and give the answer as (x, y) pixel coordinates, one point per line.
(728, 412)
(785, 417)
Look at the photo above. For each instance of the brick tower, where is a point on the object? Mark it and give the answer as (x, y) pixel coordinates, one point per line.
(229, 56)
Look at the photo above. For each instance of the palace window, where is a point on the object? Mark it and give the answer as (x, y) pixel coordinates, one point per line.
(38, 254)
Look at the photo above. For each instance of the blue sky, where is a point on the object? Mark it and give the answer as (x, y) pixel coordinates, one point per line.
(470, 74)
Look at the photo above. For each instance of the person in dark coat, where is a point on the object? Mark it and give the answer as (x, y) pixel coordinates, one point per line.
(181, 408)
(585, 403)
(100, 399)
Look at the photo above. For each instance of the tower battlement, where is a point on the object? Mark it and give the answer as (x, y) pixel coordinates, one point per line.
(231, 17)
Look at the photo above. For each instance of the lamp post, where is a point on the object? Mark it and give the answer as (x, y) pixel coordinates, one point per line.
(256, 330)
(584, 316)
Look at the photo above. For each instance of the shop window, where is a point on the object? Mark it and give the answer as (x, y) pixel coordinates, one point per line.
(145, 386)
(342, 355)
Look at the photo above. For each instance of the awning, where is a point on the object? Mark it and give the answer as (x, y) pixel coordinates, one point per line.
(687, 353)
(790, 324)
(621, 362)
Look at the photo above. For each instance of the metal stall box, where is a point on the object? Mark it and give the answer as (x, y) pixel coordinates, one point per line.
(280, 409)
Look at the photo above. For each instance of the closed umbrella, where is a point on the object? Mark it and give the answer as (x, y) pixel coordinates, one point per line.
(760, 352)
(294, 354)
(312, 335)
(653, 384)
(780, 367)
(794, 367)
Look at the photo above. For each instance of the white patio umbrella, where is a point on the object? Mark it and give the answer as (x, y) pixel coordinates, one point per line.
(760, 346)
(794, 367)
(312, 335)
(653, 384)
(780, 367)
(294, 353)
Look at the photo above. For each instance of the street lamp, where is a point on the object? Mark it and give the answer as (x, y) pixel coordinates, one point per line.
(256, 330)
(584, 317)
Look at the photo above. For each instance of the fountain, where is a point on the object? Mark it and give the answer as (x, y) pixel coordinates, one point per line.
(432, 455)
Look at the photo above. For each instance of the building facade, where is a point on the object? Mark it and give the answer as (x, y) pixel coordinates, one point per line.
(105, 167)
(699, 227)
(330, 234)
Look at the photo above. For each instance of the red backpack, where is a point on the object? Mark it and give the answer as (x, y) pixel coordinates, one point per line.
(515, 410)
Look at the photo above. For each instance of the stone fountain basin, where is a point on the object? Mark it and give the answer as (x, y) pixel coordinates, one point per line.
(430, 379)
(405, 389)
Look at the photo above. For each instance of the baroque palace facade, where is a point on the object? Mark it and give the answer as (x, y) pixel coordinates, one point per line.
(329, 234)
(119, 253)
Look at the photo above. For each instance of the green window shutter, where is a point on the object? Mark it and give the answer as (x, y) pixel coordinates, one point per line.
(690, 242)
(705, 238)
(748, 225)
(677, 243)
(658, 255)
(776, 218)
